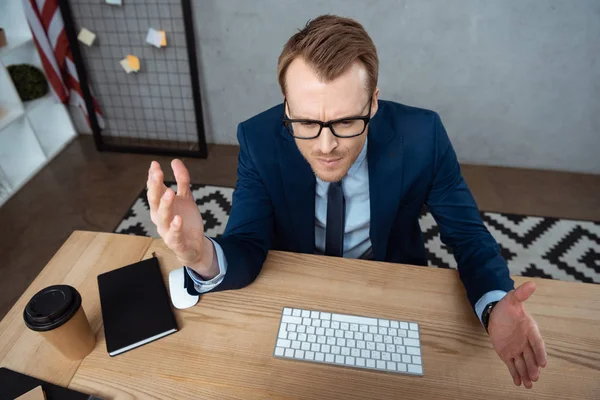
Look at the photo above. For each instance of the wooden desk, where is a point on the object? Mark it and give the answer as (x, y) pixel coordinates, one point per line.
(224, 349)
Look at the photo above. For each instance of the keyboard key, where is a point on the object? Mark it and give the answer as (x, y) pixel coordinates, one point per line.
(305, 314)
(309, 355)
(306, 321)
(341, 342)
(383, 331)
(311, 330)
(376, 355)
(291, 320)
(279, 351)
(292, 336)
(388, 340)
(416, 360)
(396, 357)
(411, 342)
(316, 323)
(360, 362)
(349, 335)
(335, 349)
(301, 329)
(283, 343)
(415, 351)
(384, 322)
(321, 339)
(371, 363)
(314, 314)
(413, 334)
(380, 364)
(299, 354)
(372, 329)
(354, 327)
(302, 337)
(370, 346)
(329, 332)
(295, 344)
(390, 348)
(393, 332)
(353, 319)
(287, 311)
(394, 324)
(379, 338)
(386, 356)
(325, 323)
(344, 326)
(361, 344)
(296, 312)
(369, 337)
(415, 369)
(358, 336)
(326, 315)
(406, 358)
(397, 340)
(305, 346)
(351, 343)
(325, 348)
(349, 360)
(339, 359)
(345, 351)
(363, 328)
(401, 367)
(355, 352)
(282, 334)
(315, 347)
(283, 326)
(403, 325)
(339, 333)
(365, 353)
(413, 326)
(402, 333)
(380, 347)
(400, 349)
(335, 324)
(312, 338)
(329, 357)
(289, 353)
(291, 327)
(320, 331)
(330, 340)
(320, 357)
(390, 366)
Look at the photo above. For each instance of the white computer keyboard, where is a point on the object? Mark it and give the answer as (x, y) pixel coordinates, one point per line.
(349, 340)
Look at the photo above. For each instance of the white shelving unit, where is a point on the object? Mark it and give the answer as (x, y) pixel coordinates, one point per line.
(31, 133)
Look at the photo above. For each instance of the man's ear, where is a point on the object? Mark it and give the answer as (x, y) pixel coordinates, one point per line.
(374, 103)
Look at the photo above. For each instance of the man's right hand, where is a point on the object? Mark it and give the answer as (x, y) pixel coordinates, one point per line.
(178, 220)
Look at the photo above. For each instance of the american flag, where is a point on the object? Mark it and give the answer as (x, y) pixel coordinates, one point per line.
(46, 24)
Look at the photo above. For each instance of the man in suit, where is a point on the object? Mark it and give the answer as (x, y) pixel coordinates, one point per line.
(336, 171)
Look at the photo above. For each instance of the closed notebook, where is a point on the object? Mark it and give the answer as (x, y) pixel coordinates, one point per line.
(135, 306)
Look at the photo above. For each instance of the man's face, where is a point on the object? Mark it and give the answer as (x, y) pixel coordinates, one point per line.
(308, 97)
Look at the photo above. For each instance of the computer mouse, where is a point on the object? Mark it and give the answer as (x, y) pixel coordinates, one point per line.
(180, 297)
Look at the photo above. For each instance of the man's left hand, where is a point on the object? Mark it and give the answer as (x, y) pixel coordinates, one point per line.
(516, 336)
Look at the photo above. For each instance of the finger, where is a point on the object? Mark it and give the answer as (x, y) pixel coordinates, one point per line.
(524, 291)
(165, 209)
(156, 187)
(513, 371)
(538, 346)
(532, 367)
(522, 368)
(182, 176)
(174, 238)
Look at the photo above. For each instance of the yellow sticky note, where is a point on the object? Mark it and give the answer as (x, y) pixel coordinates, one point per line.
(163, 41)
(134, 63)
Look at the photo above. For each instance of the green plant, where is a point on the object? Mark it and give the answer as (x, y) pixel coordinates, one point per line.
(30, 82)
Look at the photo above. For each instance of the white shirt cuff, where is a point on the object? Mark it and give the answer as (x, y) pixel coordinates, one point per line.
(200, 284)
(489, 297)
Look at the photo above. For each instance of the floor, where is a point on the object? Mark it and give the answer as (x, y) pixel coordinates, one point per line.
(87, 190)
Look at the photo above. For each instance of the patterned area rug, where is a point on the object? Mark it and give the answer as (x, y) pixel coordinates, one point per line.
(542, 247)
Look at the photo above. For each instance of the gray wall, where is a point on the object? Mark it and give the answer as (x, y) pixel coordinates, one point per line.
(517, 82)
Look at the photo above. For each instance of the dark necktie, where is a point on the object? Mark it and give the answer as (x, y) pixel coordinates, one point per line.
(336, 215)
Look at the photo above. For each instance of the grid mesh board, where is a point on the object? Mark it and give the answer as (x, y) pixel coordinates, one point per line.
(153, 107)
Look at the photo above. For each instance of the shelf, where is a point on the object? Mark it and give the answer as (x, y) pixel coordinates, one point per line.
(26, 53)
(52, 125)
(48, 99)
(10, 117)
(15, 43)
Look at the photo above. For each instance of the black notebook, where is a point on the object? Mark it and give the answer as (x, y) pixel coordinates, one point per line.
(135, 306)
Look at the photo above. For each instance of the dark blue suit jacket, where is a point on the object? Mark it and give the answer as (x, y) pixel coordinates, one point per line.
(411, 163)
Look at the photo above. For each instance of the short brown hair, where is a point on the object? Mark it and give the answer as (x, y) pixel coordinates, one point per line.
(330, 44)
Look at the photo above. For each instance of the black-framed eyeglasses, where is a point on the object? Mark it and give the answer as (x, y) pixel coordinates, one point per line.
(346, 127)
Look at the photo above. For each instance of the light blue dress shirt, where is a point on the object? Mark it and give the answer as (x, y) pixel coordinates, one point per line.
(356, 230)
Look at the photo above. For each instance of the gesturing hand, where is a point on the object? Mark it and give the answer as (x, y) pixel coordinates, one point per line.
(516, 336)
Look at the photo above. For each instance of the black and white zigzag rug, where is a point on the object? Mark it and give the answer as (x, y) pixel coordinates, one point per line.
(542, 247)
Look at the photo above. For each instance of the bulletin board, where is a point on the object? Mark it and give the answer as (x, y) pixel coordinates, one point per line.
(157, 109)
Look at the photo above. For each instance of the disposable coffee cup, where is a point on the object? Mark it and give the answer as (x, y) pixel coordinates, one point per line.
(56, 313)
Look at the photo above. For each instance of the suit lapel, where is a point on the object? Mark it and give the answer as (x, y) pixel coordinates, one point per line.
(385, 181)
(298, 182)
